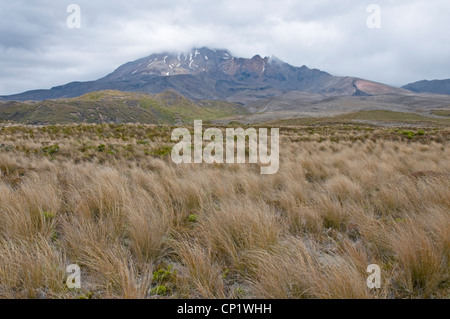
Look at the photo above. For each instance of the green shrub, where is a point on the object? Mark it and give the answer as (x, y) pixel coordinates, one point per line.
(50, 150)
(408, 134)
(161, 151)
(159, 291)
(164, 275)
(193, 218)
(48, 215)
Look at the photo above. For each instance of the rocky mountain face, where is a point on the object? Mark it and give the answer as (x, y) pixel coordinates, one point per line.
(204, 73)
(435, 86)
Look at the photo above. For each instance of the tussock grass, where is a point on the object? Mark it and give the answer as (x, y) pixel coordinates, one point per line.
(344, 197)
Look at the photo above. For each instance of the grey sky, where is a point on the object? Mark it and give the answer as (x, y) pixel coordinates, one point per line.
(38, 50)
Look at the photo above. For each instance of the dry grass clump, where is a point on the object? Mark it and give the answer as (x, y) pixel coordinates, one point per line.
(108, 198)
(204, 276)
(31, 269)
(422, 254)
(300, 269)
(236, 227)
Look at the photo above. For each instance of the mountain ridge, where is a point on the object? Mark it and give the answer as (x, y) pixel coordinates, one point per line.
(433, 86)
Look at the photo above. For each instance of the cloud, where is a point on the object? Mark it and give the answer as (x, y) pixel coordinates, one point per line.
(37, 50)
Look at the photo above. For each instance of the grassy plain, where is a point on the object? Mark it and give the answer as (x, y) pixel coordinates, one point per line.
(108, 198)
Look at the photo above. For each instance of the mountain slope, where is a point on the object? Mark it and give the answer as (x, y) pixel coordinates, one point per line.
(216, 75)
(167, 107)
(435, 86)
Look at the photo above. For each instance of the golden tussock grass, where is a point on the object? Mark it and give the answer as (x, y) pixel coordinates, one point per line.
(108, 198)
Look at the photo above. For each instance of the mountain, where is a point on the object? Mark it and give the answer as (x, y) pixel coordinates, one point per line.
(435, 86)
(215, 75)
(168, 107)
(212, 85)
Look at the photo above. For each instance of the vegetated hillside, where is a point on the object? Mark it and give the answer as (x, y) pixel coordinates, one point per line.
(434, 86)
(373, 117)
(215, 74)
(167, 107)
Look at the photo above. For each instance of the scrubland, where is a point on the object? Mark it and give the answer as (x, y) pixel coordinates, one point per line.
(109, 199)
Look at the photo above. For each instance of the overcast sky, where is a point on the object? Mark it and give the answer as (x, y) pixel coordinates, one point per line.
(38, 50)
